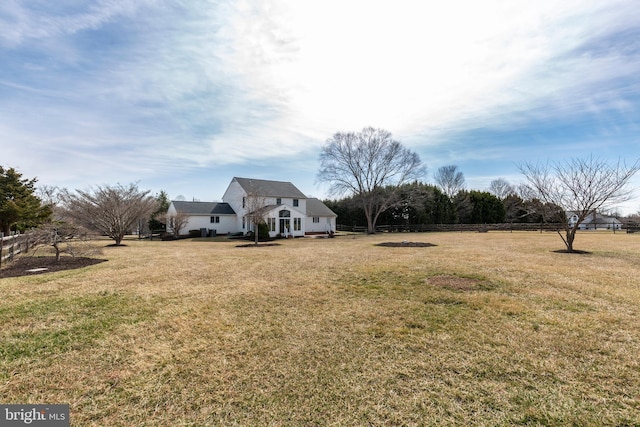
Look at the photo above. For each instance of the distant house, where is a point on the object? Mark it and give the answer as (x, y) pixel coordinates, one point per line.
(286, 210)
(595, 221)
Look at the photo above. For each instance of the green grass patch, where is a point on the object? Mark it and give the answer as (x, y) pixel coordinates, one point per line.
(51, 326)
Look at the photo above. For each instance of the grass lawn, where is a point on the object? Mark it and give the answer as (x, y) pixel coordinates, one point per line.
(480, 329)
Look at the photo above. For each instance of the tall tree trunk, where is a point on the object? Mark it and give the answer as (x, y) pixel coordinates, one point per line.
(370, 228)
(255, 232)
(57, 249)
(368, 212)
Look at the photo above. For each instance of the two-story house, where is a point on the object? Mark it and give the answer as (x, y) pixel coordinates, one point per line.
(285, 209)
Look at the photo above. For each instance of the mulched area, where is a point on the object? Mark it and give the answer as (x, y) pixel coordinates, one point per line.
(406, 244)
(259, 245)
(44, 264)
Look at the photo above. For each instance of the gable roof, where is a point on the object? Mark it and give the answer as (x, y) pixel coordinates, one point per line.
(203, 208)
(316, 208)
(265, 188)
(271, 208)
(601, 219)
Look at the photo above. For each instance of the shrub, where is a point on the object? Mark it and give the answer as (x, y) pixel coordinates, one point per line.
(263, 231)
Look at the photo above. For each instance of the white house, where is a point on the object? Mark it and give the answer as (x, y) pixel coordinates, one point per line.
(595, 221)
(205, 215)
(286, 210)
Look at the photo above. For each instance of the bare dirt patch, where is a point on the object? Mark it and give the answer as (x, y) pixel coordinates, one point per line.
(29, 266)
(406, 244)
(455, 282)
(259, 245)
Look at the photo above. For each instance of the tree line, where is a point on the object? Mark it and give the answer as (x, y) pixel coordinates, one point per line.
(378, 179)
(421, 203)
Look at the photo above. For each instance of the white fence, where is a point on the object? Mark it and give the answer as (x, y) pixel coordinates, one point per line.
(12, 245)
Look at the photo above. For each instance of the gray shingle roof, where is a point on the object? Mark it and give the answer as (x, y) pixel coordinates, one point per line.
(316, 208)
(601, 219)
(203, 208)
(264, 188)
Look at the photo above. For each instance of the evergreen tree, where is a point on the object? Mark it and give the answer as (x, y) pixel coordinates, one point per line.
(156, 222)
(20, 208)
(479, 207)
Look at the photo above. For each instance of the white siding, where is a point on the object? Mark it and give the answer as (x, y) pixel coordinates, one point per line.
(325, 225)
(233, 196)
(171, 211)
(226, 225)
(233, 223)
(295, 213)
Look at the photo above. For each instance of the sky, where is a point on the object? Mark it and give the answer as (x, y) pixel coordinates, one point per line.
(183, 95)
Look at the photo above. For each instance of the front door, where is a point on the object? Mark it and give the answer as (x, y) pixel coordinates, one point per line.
(285, 222)
(285, 226)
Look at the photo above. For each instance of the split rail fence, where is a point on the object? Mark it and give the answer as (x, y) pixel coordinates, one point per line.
(471, 227)
(12, 245)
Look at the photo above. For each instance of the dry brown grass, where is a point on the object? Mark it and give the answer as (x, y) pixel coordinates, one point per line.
(481, 329)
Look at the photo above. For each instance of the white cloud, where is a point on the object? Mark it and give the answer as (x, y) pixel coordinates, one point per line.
(44, 21)
(415, 66)
(199, 83)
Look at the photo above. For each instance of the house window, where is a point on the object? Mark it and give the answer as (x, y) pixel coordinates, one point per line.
(278, 201)
(272, 224)
(297, 224)
(243, 204)
(295, 202)
(285, 213)
(316, 220)
(244, 222)
(215, 220)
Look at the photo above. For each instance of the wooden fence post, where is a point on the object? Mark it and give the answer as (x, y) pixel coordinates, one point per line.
(13, 239)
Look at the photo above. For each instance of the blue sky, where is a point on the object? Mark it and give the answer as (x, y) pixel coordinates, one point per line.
(183, 95)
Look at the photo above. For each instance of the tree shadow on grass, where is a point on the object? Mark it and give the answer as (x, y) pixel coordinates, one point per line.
(575, 251)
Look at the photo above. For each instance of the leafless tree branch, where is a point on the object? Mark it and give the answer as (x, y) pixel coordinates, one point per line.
(580, 186)
(370, 165)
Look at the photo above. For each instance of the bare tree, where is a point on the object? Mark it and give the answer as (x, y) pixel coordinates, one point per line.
(257, 209)
(580, 187)
(49, 194)
(111, 210)
(449, 179)
(501, 188)
(176, 222)
(63, 237)
(369, 165)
